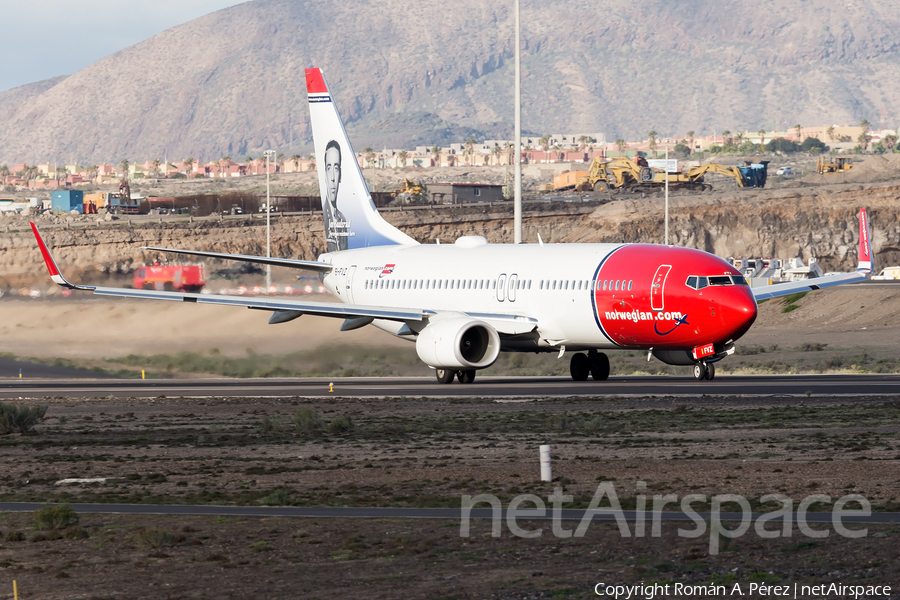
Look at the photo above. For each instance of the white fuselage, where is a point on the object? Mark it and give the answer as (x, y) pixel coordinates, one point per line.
(475, 277)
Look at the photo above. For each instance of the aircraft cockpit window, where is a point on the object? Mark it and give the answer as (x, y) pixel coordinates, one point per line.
(720, 280)
(692, 282)
(738, 280)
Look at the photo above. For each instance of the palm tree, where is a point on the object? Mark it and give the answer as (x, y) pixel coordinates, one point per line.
(436, 153)
(495, 154)
(797, 130)
(92, 171)
(248, 159)
(738, 138)
(155, 165)
(583, 142)
(188, 166)
(124, 166)
(889, 142)
(864, 137)
(691, 138)
(312, 161)
(621, 144)
(762, 136)
(510, 152)
(830, 132)
(402, 156)
(295, 158)
(651, 135)
(726, 137)
(369, 155)
(469, 151)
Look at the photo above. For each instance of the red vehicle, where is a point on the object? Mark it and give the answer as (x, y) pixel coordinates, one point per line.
(183, 278)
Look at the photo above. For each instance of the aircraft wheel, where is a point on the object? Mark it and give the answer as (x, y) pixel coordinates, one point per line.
(710, 372)
(467, 376)
(599, 366)
(580, 367)
(700, 371)
(445, 375)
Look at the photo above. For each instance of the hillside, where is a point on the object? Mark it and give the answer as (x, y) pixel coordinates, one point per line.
(786, 222)
(231, 82)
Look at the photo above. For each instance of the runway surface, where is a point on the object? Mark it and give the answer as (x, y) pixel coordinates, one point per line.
(413, 513)
(486, 387)
(10, 368)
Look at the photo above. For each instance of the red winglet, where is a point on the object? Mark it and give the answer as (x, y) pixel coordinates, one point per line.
(48, 260)
(315, 82)
(865, 248)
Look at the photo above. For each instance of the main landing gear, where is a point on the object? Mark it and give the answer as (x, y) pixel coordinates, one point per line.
(447, 375)
(704, 370)
(595, 364)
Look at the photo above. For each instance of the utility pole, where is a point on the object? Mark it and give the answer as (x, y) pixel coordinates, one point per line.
(667, 196)
(517, 186)
(269, 154)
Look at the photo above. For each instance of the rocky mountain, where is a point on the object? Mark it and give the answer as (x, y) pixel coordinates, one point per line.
(231, 82)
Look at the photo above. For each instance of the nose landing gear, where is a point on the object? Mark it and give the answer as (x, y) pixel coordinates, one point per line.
(704, 370)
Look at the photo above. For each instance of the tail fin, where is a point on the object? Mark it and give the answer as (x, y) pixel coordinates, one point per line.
(866, 262)
(351, 220)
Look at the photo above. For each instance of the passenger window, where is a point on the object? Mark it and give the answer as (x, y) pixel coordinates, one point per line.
(630, 284)
(554, 284)
(529, 284)
(617, 285)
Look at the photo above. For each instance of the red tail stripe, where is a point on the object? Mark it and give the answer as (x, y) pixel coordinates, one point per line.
(48, 260)
(315, 83)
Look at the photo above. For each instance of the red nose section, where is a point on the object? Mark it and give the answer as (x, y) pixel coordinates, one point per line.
(739, 312)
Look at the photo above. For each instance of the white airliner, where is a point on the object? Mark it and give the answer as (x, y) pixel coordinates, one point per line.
(464, 303)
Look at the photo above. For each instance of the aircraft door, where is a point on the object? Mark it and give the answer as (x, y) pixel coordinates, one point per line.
(501, 287)
(349, 282)
(658, 287)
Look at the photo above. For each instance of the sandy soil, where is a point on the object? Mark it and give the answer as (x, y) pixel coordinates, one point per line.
(414, 452)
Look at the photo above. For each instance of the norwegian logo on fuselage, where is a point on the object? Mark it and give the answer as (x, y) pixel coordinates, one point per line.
(387, 270)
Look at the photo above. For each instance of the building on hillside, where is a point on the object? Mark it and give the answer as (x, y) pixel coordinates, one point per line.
(461, 193)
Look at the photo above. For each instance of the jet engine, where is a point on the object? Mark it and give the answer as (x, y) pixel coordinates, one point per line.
(458, 343)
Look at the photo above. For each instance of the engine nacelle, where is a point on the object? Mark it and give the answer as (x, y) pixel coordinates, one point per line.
(458, 343)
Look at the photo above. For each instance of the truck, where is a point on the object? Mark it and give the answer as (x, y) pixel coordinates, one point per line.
(170, 278)
(887, 274)
(624, 174)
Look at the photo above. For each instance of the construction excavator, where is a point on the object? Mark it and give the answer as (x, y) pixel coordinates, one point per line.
(624, 175)
(837, 164)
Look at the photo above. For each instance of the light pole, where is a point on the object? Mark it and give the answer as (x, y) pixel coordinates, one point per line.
(269, 154)
(517, 186)
(667, 196)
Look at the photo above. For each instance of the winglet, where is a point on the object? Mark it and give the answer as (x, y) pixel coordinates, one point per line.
(866, 263)
(55, 275)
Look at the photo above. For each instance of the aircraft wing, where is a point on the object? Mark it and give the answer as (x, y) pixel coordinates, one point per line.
(807, 285)
(863, 270)
(311, 265)
(284, 310)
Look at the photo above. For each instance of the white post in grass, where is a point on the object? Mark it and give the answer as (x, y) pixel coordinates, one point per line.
(546, 470)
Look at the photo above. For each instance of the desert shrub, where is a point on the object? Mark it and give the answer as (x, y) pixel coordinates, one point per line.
(75, 533)
(273, 424)
(155, 538)
(260, 546)
(277, 498)
(307, 420)
(15, 419)
(51, 518)
(15, 536)
(340, 424)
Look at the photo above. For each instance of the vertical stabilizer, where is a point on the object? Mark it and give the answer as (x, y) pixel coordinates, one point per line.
(866, 263)
(351, 220)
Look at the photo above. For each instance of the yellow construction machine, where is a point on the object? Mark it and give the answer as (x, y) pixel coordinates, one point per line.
(836, 164)
(410, 192)
(623, 174)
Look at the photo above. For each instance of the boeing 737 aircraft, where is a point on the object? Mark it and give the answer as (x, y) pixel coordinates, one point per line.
(464, 303)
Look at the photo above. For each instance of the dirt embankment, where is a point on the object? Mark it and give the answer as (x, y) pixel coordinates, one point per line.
(786, 222)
